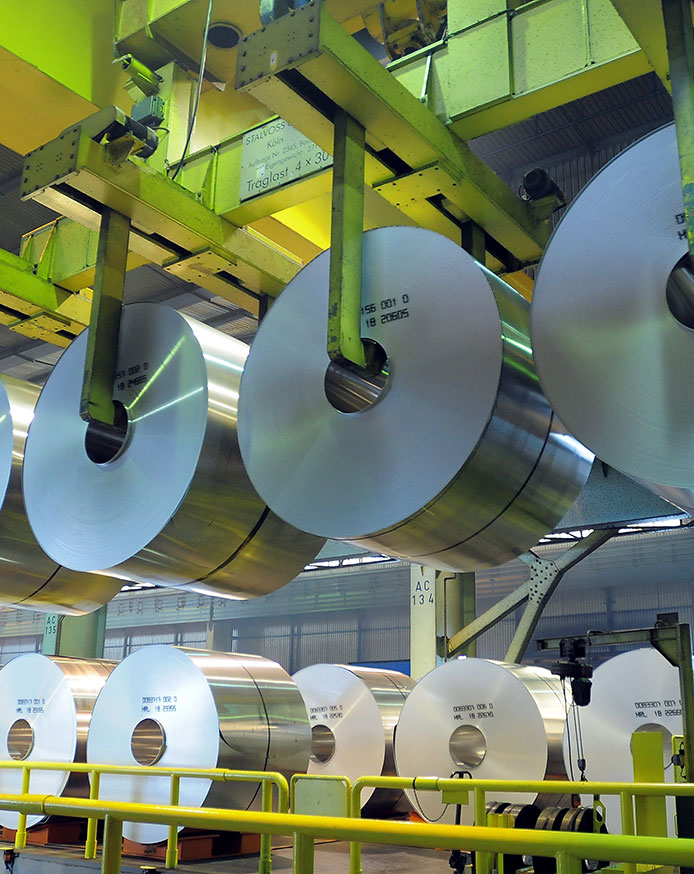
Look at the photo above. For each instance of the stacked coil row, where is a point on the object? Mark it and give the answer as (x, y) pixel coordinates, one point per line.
(488, 719)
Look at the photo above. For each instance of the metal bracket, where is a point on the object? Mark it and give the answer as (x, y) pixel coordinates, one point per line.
(545, 576)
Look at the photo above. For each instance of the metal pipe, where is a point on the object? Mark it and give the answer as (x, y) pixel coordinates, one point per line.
(655, 850)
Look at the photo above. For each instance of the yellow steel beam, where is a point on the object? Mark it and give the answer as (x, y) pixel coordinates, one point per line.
(303, 65)
(645, 21)
(35, 307)
(73, 175)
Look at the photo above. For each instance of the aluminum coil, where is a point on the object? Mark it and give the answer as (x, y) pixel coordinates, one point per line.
(457, 462)
(633, 691)
(612, 320)
(174, 506)
(47, 706)
(186, 708)
(496, 720)
(353, 712)
(35, 581)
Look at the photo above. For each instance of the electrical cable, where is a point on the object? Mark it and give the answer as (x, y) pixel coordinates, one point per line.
(203, 59)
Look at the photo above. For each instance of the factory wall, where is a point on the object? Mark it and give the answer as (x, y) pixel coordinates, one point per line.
(361, 614)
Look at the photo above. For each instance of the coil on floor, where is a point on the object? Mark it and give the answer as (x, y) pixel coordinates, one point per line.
(170, 503)
(48, 703)
(450, 456)
(186, 708)
(493, 719)
(612, 319)
(353, 712)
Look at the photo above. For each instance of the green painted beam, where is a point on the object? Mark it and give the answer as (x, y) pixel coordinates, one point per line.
(304, 65)
(499, 66)
(344, 306)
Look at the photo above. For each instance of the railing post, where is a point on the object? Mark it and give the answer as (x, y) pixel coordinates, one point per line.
(113, 845)
(302, 862)
(568, 864)
(20, 840)
(90, 843)
(628, 827)
(355, 813)
(172, 841)
(265, 860)
(483, 861)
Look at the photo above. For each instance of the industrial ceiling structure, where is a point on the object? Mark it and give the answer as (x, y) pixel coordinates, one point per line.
(572, 142)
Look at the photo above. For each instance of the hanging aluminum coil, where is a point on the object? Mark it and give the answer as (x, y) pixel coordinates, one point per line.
(632, 692)
(451, 456)
(31, 579)
(177, 707)
(172, 504)
(612, 319)
(353, 712)
(497, 721)
(47, 706)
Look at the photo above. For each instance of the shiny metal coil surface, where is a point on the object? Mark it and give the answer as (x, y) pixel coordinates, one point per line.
(29, 578)
(178, 707)
(612, 357)
(459, 462)
(498, 721)
(47, 707)
(353, 712)
(632, 692)
(174, 507)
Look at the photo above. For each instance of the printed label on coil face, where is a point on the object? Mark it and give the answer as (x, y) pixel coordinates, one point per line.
(656, 708)
(276, 153)
(30, 705)
(159, 704)
(326, 712)
(473, 712)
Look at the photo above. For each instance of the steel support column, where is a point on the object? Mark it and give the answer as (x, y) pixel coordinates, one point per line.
(76, 636)
(545, 576)
(347, 231)
(677, 15)
(104, 324)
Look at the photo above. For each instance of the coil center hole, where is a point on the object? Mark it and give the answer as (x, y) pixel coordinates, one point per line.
(20, 740)
(322, 743)
(350, 388)
(679, 292)
(467, 746)
(104, 443)
(148, 742)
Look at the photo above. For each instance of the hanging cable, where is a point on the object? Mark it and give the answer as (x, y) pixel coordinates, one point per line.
(580, 761)
(568, 729)
(193, 115)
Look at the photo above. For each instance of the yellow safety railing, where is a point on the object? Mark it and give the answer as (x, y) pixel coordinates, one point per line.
(267, 780)
(626, 792)
(568, 848)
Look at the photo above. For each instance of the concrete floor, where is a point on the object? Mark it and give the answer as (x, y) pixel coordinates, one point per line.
(330, 858)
